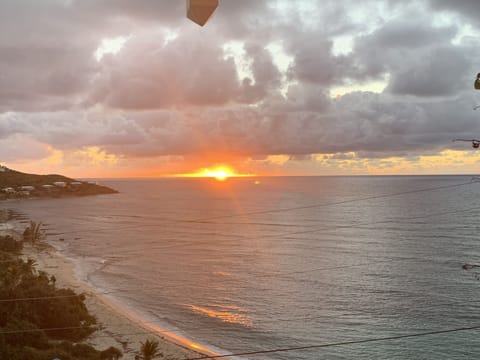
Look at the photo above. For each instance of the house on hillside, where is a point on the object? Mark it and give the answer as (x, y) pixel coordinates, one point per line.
(74, 185)
(26, 188)
(61, 184)
(8, 190)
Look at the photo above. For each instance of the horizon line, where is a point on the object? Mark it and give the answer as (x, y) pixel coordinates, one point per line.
(266, 176)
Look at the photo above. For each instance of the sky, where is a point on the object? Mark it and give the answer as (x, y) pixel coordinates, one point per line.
(122, 88)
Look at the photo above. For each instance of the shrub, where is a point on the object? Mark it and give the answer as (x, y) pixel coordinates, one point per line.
(9, 244)
(111, 353)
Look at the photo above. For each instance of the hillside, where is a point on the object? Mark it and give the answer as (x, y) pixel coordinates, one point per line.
(15, 184)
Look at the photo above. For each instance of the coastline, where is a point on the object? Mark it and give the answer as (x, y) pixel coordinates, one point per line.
(118, 326)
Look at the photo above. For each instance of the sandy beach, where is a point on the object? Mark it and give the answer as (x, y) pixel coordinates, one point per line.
(117, 327)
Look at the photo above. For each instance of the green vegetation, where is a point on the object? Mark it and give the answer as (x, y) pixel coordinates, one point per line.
(33, 233)
(43, 186)
(149, 350)
(9, 245)
(12, 178)
(43, 322)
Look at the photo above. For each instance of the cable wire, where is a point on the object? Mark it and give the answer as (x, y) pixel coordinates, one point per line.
(284, 210)
(337, 344)
(373, 197)
(283, 274)
(41, 298)
(46, 329)
(261, 212)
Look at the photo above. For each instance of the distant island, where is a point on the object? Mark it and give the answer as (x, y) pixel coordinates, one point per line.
(15, 185)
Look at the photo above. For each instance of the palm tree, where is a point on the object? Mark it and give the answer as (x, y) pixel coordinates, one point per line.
(149, 350)
(28, 267)
(33, 232)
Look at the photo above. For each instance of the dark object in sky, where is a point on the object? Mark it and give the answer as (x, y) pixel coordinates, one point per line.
(470, 266)
(475, 142)
(199, 11)
(477, 82)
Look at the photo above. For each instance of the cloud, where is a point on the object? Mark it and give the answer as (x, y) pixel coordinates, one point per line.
(467, 9)
(96, 156)
(442, 71)
(375, 124)
(22, 147)
(173, 91)
(149, 73)
(419, 58)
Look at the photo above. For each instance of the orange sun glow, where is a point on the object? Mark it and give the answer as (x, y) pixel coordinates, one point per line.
(220, 173)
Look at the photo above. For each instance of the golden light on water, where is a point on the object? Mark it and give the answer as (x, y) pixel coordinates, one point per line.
(228, 314)
(220, 173)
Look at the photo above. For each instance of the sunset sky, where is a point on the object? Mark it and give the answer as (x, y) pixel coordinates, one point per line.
(122, 88)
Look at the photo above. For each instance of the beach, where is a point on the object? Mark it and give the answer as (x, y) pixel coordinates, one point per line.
(118, 327)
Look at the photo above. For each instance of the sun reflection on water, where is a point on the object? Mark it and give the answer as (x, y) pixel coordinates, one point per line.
(226, 313)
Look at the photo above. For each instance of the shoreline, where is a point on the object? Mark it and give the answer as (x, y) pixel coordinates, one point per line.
(118, 326)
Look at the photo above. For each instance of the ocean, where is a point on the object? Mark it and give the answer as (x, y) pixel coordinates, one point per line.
(252, 264)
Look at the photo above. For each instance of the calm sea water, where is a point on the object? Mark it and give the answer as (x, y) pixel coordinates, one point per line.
(217, 261)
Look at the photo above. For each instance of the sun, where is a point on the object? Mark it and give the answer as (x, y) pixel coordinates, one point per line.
(220, 173)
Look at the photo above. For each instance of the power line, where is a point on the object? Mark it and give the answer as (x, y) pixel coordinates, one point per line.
(205, 220)
(282, 274)
(260, 212)
(182, 285)
(278, 274)
(373, 197)
(47, 329)
(328, 228)
(260, 352)
(315, 230)
(167, 331)
(336, 344)
(164, 330)
(41, 298)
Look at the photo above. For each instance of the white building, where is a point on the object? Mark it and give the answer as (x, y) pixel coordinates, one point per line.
(60, 184)
(26, 188)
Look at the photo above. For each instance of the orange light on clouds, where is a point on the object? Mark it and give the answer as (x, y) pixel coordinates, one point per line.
(220, 173)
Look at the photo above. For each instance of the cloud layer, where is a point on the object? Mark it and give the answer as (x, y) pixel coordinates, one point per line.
(258, 81)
